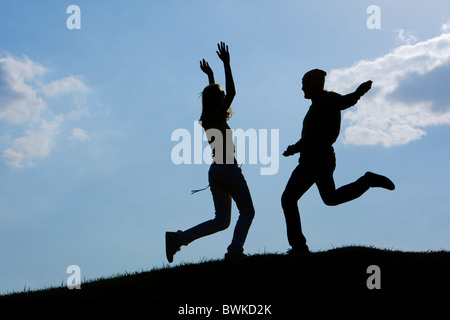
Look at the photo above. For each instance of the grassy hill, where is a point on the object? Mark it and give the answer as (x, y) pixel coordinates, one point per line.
(339, 274)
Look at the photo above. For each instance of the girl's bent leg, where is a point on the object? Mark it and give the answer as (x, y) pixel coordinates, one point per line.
(222, 204)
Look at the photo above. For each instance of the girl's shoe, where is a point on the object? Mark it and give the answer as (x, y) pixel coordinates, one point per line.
(172, 245)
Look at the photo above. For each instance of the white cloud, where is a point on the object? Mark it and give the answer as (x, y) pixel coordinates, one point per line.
(445, 26)
(405, 37)
(64, 86)
(79, 134)
(19, 101)
(35, 145)
(23, 101)
(77, 113)
(410, 92)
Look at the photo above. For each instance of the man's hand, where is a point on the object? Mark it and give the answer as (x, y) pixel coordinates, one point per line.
(223, 53)
(289, 151)
(364, 87)
(205, 67)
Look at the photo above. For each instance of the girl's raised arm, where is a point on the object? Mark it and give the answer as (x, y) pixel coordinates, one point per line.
(224, 55)
(206, 69)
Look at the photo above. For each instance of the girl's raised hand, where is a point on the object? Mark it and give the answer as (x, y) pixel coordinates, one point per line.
(223, 53)
(205, 67)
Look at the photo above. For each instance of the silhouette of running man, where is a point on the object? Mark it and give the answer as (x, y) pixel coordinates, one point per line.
(321, 127)
(225, 177)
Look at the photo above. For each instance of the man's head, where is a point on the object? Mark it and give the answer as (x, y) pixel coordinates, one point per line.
(313, 82)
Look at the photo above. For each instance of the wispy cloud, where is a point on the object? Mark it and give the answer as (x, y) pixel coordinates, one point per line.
(80, 135)
(24, 102)
(64, 86)
(19, 101)
(405, 37)
(410, 92)
(36, 144)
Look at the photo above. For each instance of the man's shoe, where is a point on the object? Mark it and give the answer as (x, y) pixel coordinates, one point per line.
(172, 245)
(234, 256)
(376, 180)
(295, 251)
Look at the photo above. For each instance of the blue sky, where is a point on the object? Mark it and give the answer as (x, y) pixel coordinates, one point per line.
(87, 116)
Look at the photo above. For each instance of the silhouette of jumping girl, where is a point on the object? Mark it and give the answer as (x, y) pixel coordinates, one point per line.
(225, 177)
(321, 127)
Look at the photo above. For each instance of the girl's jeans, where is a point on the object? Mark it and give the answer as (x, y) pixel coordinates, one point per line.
(226, 182)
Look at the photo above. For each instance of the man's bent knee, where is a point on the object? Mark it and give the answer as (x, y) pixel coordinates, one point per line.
(330, 201)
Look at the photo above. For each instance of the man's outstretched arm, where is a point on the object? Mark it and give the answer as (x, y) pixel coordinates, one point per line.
(293, 149)
(349, 100)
